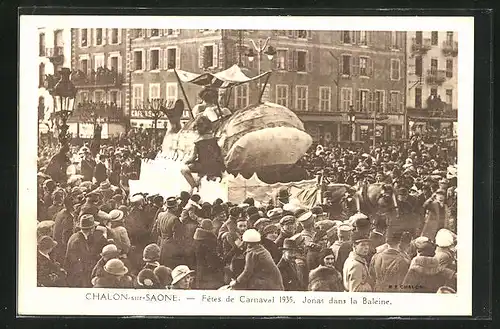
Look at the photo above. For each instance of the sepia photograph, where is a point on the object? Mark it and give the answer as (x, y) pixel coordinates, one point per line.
(314, 164)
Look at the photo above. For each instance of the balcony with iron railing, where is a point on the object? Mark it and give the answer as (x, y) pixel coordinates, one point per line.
(420, 46)
(435, 77)
(55, 54)
(102, 77)
(450, 48)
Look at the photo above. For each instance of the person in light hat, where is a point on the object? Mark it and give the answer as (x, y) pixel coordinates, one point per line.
(182, 278)
(445, 250)
(118, 231)
(260, 272)
(108, 252)
(425, 275)
(82, 252)
(115, 276)
(356, 276)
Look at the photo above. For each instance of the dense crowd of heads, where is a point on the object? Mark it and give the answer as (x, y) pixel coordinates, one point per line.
(92, 232)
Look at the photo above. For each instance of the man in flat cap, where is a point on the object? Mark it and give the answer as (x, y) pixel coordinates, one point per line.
(342, 247)
(288, 226)
(356, 275)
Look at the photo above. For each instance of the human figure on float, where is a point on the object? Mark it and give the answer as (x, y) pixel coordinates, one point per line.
(266, 139)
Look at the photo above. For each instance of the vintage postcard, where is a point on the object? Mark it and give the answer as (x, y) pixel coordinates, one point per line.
(200, 166)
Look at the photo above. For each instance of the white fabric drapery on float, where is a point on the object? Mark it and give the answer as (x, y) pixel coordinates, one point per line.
(229, 78)
(164, 177)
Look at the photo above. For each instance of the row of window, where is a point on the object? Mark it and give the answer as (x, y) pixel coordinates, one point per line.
(112, 61)
(42, 44)
(156, 59)
(100, 37)
(152, 33)
(364, 101)
(434, 37)
(154, 93)
(364, 38)
(434, 67)
(419, 99)
(112, 96)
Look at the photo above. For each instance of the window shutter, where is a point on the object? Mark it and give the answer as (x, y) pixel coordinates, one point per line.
(295, 60)
(144, 60)
(178, 58)
(108, 62)
(309, 61)
(295, 33)
(309, 34)
(357, 98)
(160, 32)
(388, 40)
(341, 63)
(401, 103)
(371, 101)
(200, 57)
(94, 39)
(120, 64)
(148, 60)
(148, 33)
(119, 98)
(290, 60)
(369, 38)
(160, 59)
(355, 65)
(215, 62)
(105, 36)
(119, 36)
(357, 36)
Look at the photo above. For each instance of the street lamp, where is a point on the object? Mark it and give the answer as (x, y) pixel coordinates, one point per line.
(352, 120)
(261, 48)
(64, 93)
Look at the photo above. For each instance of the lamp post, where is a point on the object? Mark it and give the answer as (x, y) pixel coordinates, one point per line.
(64, 99)
(260, 48)
(352, 121)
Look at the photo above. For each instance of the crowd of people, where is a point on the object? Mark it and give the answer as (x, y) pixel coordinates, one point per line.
(93, 233)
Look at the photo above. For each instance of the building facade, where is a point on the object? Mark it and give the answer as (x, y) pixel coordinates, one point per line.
(432, 82)
(54, 52)
(320, 75)
(99, 61)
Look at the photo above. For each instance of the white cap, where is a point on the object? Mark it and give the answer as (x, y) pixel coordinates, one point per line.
(444, 238)
(251, 235)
